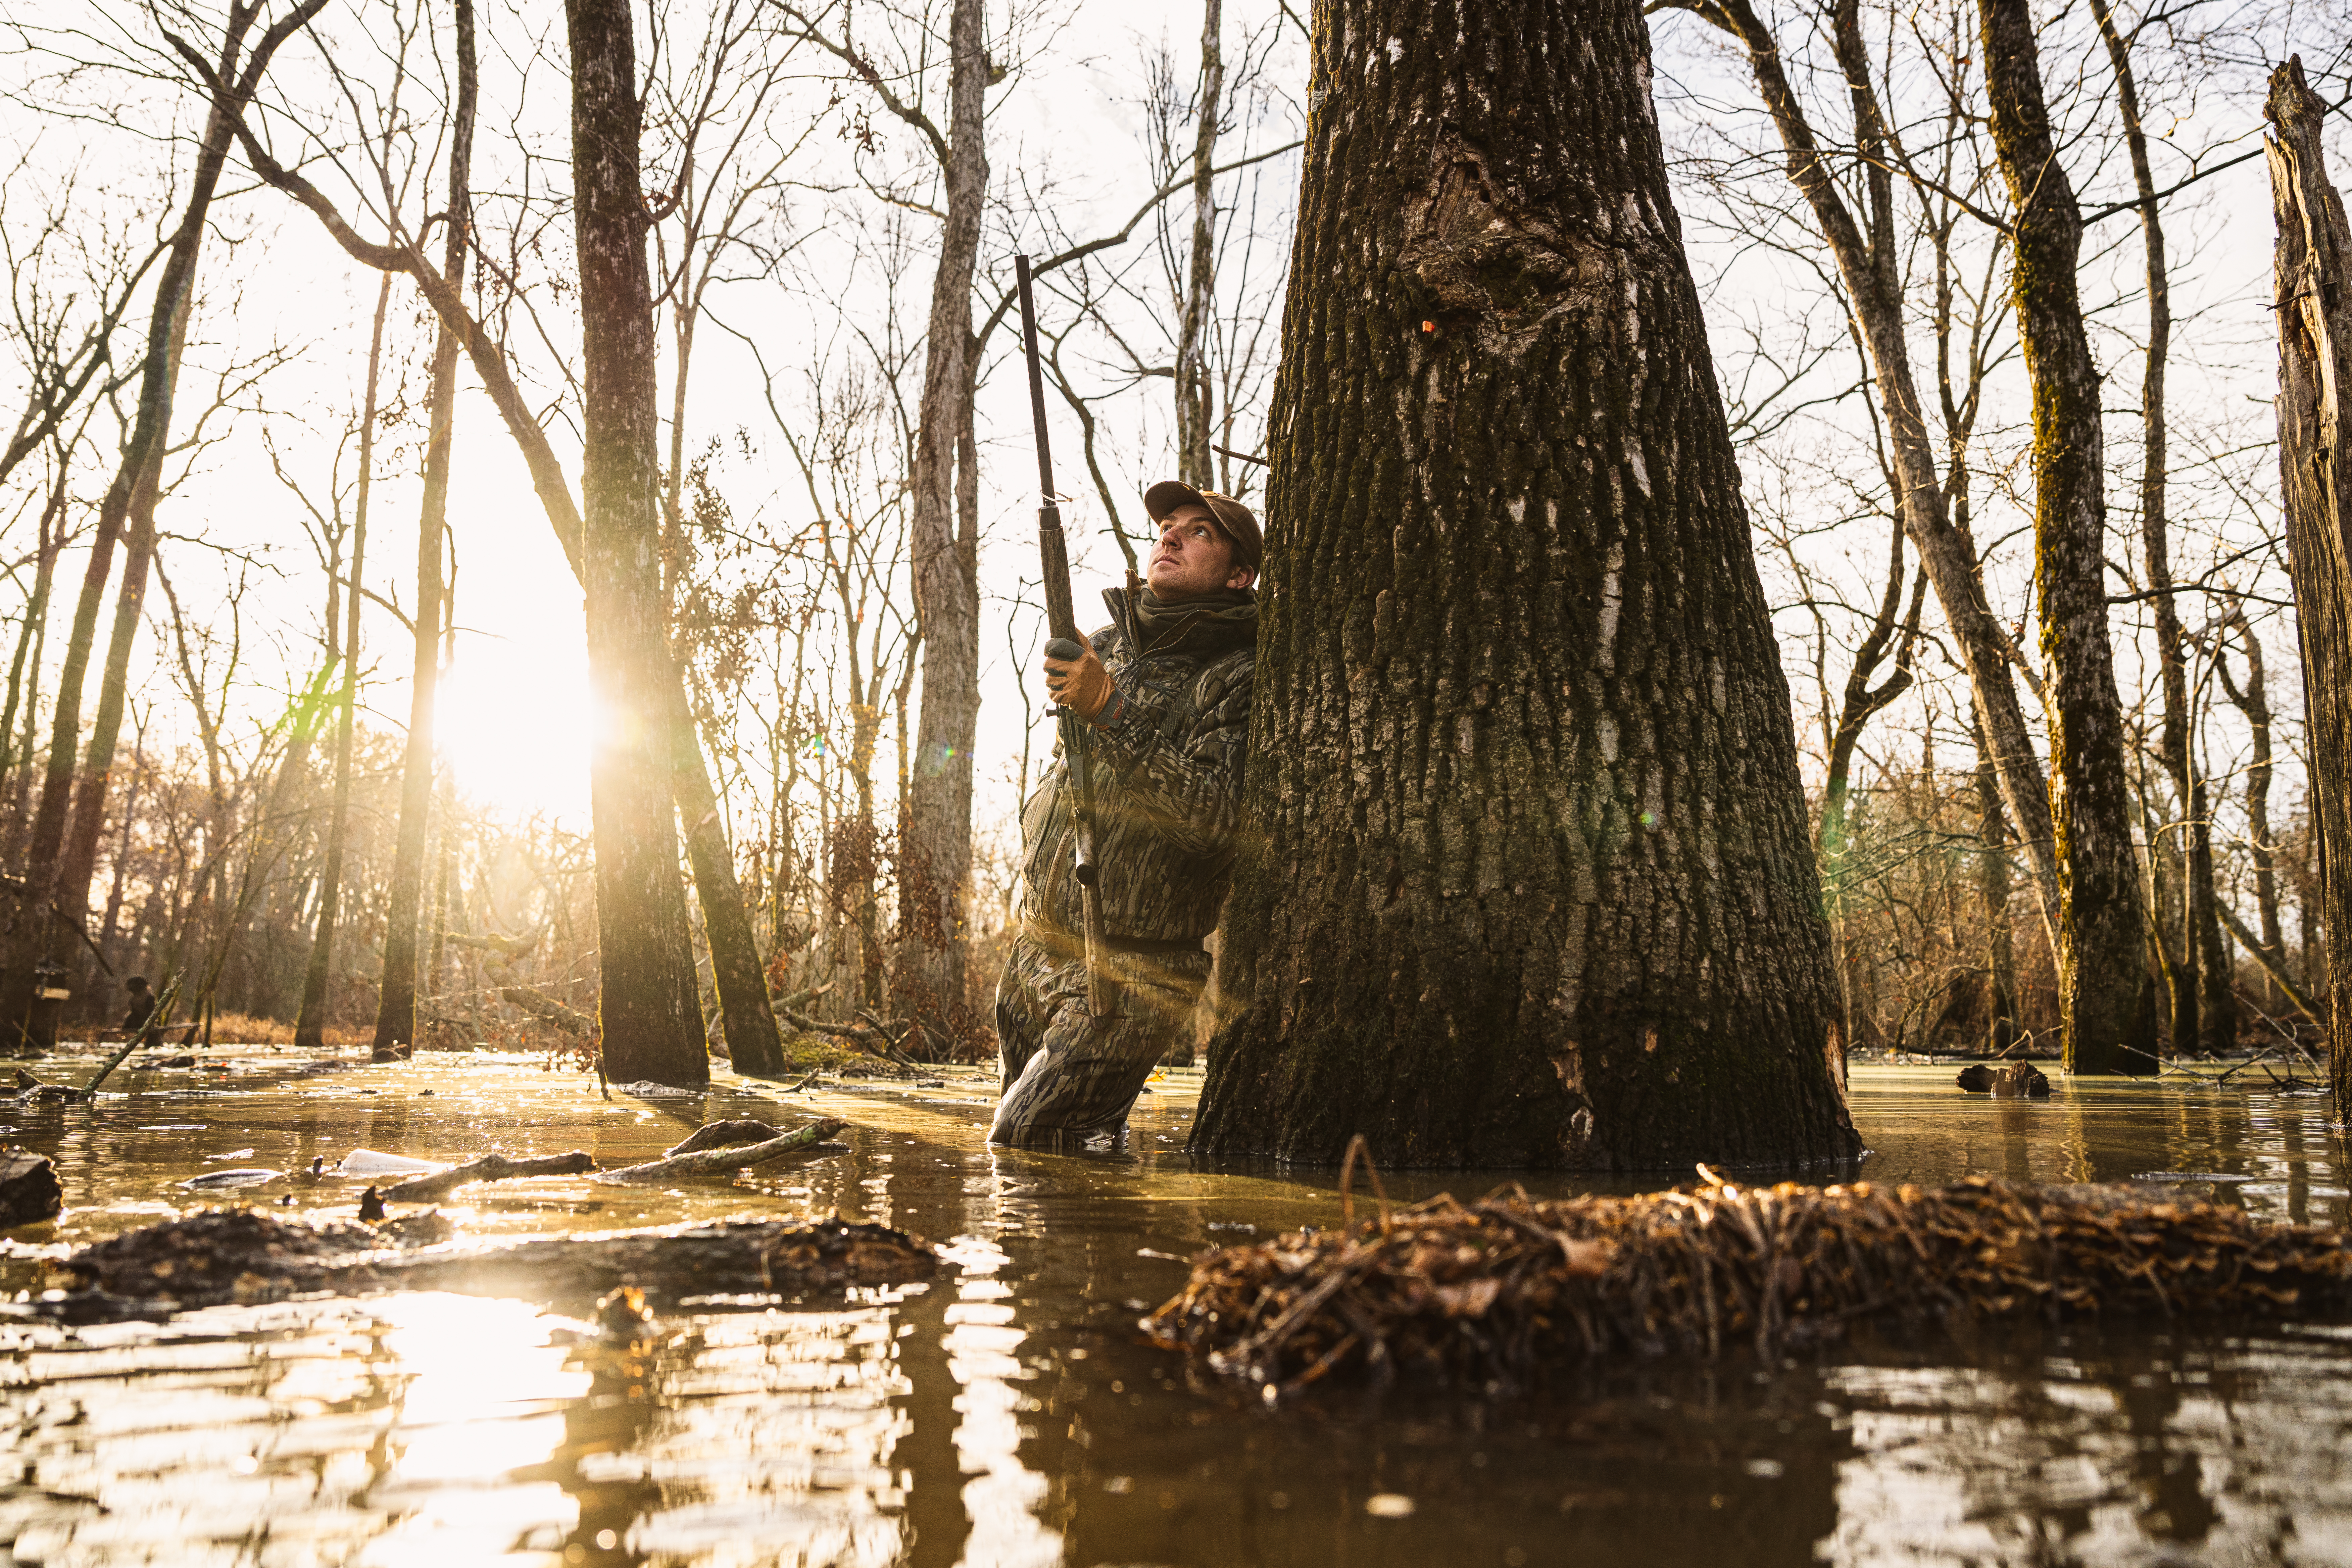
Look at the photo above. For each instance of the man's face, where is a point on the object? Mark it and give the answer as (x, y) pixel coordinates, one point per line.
(1194, 557)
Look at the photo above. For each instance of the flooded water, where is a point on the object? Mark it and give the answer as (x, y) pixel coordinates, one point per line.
(1009, 1414)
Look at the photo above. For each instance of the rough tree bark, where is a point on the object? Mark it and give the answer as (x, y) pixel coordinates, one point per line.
(1526, 878)
(650, 1015)
(395, 1018)
(310, 1024)
(55, 900)
(1195, 400)
(2105, 998)
(2204, 1002)
(2314, 302)
(1869, 266)
(935, 853)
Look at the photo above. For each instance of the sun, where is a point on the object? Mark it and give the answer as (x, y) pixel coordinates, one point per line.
(514, 718)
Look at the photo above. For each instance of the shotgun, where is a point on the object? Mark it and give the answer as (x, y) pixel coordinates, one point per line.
(1062, 625)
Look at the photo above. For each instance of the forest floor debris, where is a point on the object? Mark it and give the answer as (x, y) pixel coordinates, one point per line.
(1504, 1287)
(245, 1255)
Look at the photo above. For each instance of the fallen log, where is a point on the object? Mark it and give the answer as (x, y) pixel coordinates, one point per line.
(1505, 1287)
(730, 1134)
(727, 1160)
(246, 1255)
(488, 1168)
(29, 1193)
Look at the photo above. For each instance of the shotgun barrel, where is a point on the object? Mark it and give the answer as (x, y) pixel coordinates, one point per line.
(1061, 622)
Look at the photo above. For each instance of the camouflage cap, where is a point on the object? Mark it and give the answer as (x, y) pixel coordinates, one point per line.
(1238, 522)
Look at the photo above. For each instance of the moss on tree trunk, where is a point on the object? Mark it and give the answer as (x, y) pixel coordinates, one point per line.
(2107, 998)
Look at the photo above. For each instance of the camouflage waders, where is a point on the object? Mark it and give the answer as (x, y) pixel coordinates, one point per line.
(1167, 788)
(1067, 1075)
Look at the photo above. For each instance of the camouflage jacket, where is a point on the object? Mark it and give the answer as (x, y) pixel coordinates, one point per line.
(1166, 780)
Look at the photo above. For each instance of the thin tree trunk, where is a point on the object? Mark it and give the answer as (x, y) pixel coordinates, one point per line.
(936, 864)
(2313, 304)
(310, 1028)
(436, 972)
(395, 1019)
(2106, 1000)
(1523, 877)
(649, 1016)
(2252, 700)
(1867, 265)
(24, 682)
(1992, 887)
(2215, 1008)
(746, 1017)
(1195, 399)
(736, 973)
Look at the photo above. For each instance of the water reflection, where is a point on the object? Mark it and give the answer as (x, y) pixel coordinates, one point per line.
(1006, 1415)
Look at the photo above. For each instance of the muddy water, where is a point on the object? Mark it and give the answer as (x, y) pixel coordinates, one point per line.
(1008, 1415)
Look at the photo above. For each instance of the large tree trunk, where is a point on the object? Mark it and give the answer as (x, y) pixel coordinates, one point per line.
(1869, 266)
(935, 854)
(2212, 1003)
(395, 1019)
(310, 1024)
(1195, 399)
(650, 1016)
(1525, 878)
(2314, 284)
(2106, 1000)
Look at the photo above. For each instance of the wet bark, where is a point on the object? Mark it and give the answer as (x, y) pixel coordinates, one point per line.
(2210, 1001)
(1195, 400)
(936, 849)
(310, 1028)
(2314, 302)
(1868, 265)
(395, 1019)
(1526, 879)
(2106, 1000)
(650, 1016)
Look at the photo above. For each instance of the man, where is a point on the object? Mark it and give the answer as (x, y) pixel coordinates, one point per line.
(139, 1020)
(1165, 688)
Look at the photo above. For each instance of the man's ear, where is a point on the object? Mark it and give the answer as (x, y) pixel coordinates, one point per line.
(1241, 577)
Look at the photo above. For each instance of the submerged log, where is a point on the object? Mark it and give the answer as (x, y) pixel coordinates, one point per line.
(488, 1168)
(247, 1255)
(1506, 1287)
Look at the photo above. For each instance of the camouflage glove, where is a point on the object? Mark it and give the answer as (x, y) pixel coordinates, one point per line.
(1077, 680)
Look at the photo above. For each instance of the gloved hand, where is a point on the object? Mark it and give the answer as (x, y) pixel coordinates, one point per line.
(1077, 678)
